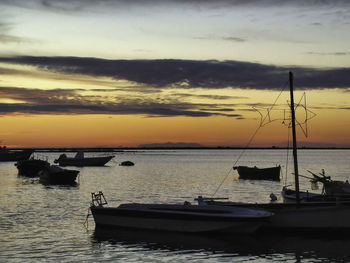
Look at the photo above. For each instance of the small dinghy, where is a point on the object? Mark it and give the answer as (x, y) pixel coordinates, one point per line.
(255, 173)
(127, 163)
(178, 217)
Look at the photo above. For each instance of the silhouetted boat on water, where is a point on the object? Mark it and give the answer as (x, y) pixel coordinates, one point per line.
(255, 173)
(177, 217)
(332, 190)
(7, 155)
(127, 163)
(53, 174)
(31, 167)
(80, 160)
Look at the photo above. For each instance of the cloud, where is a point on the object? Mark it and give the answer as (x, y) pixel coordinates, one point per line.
(77, 5)
(205, 96)
(226, 38)
(7, 37)
(329, 53)
(234, 39)
(71, 101)
(170, 73)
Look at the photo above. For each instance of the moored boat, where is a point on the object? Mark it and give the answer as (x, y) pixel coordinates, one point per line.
(332, 190)
(7, 155)
(31, 167)
(80, 160)
(54, 174)
(255, 173)
(178, 217)
(127, 163)
(289, 196)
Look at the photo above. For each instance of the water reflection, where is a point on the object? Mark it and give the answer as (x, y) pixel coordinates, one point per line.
(317, 248)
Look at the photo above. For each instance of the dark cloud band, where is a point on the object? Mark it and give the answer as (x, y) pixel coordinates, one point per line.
(192, 73)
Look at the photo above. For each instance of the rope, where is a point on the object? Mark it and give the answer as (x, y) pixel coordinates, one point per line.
(287, 161)
(86, 223)
(251, 139)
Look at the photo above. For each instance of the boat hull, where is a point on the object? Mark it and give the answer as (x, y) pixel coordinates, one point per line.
(289, 196)
(182, 220)
(305, 217)
(254, 173)
(313, 218)
(88, 161)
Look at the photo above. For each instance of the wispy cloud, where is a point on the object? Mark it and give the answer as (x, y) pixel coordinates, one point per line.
(329, 53)
(225, 38)
(76, 5)
(71, 101)
(7, 37)
(191, 73)
(207, 96)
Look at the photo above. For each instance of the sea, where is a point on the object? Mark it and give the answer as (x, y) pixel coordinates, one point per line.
(47, 223)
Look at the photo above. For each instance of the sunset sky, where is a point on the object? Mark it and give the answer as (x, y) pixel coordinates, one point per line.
(107, 73)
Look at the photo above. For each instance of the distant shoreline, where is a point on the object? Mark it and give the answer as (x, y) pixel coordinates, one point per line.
(122, 149)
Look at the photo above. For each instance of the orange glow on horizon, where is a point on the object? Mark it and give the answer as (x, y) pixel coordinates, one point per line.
(131, 131)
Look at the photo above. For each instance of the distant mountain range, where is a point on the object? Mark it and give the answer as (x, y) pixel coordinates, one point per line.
(171, 145)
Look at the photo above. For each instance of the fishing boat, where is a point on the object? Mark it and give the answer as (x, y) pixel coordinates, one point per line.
(7, 155)
(255, 173)
(332, 190)
(31, 167)
(185, 217)
(53, 174)
(331, 187)
(80, 160)
(323, 216)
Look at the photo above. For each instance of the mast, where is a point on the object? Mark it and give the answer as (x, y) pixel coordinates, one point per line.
(295, 155)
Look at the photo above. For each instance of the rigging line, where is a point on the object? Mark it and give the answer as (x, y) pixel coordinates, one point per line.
(287, 161)
(249, 142)
(274, 103)
(306, 115)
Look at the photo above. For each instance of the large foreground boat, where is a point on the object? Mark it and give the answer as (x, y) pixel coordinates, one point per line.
(178, 217)
(80, 160)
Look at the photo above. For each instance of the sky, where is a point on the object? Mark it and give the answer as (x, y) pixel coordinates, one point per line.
(120, 73)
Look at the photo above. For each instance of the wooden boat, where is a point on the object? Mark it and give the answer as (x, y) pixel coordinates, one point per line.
(31, 167)
(177, 217)
(322, 216)
(331, 187)
(331, 191)
(289, 196)
(14, 155)
(54, 174)
(80, 161)
(255, 173)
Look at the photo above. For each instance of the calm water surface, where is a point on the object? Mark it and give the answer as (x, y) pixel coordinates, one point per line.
(46, 223)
